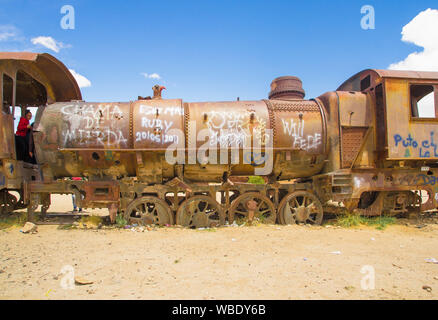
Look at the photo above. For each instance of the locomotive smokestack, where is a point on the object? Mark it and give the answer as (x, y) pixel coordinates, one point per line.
(287, 88)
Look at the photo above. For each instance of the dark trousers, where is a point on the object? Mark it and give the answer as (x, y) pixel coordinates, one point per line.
(21, 148)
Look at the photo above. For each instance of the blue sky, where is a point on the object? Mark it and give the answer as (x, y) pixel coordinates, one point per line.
(212, 50)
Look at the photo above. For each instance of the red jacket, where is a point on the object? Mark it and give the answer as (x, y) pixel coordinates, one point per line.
(22, 127)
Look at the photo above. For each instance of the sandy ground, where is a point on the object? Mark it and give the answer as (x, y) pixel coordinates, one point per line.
(263, 262)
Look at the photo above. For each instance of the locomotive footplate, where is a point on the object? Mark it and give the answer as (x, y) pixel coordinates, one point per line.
(397, 190)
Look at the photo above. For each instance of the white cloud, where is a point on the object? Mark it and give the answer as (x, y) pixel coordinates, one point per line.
(80, 79)
(49, 43)
(423, 32)
(155, 76)
(9, 33)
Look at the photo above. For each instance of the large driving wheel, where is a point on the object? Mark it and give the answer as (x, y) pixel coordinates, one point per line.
(148, 210)
(200, 212)
(250, 206)
(300, 207)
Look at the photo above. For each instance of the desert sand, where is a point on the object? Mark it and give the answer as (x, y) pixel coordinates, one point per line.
(250, 262)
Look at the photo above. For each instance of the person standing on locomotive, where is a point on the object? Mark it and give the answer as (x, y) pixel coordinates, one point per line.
(20, 136)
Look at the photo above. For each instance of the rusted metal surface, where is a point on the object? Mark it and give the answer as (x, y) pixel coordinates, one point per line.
(299, 132)
(298, 125)
(149, 211)
(28, 79)
(52, 73)
(376, 76)
(86, 125)
(230, 124)
(157, 124)
(349, 185)
(226, 126)
(352, 138)
(75, 138)
(200, 211)
(250, 206)
(408, 137)
(102, 192)
(88, 133)
(157, 91)
(300, 207)
(355, 109)
(287, 88)
(7, 149)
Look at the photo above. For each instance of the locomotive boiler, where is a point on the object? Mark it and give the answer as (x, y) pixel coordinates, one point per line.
(368, 147)
(114, 140)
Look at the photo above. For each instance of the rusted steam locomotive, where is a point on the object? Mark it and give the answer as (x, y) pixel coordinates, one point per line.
(366, 147)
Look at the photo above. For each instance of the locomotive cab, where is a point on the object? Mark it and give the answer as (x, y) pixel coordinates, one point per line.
(383, 129)
(405, 109)
(27, 81)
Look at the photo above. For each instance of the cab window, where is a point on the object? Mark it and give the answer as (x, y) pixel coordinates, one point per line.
(423, 104)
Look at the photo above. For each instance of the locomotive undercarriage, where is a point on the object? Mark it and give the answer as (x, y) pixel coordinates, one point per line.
(200, 205)
(12, 196)
(374, 192)
(193, 205)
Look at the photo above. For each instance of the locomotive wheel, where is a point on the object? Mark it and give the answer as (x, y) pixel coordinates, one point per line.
(200, 212)
(148, 210)
(300, 207)
(8, 202)
(20, 203)
(250, 206)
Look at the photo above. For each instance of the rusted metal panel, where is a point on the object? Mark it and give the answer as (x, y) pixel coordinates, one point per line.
(407, 74)
(86, 125)
(60, 80)
(101, 192)
(232, 135)
(286, 88)
(77, 139)
(7, 143)
(230, 124)
(330, 102)
(397, 180)
(355, 109)
(298, 125)
(157, 124)
(355, 116)
(352, 138)
(408, 138)
(353, 83)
